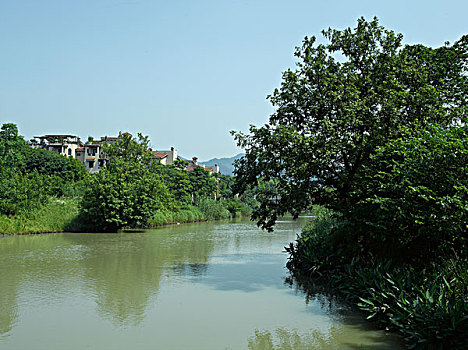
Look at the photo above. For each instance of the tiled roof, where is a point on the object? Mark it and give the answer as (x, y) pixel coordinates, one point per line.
(157, 154)
(80, 149)
(90, 159)
(193, 166)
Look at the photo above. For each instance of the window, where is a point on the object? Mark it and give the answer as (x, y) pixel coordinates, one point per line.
(69, 151)
(90, 164)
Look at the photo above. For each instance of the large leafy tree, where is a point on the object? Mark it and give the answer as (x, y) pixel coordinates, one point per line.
(345, 99)
(126, 192)
(12, 147)
(177, 181)
(202, 183)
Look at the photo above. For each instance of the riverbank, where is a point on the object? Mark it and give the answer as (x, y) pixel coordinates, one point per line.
(56, 215)
(62, 215)
(427, 304)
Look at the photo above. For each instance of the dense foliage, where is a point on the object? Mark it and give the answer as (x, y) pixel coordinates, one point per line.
(412, 198)
(177, 181)
(428, 306)
(201, 183)
(127, 191)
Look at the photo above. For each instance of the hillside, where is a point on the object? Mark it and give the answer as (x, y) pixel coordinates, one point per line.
(225, 164)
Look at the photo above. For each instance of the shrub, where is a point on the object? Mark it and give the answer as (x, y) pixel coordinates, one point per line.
(188, 214)
(237, 208)
(425, 306)
(212, 209)
(164, 216)
(318, 247)
(19, 193)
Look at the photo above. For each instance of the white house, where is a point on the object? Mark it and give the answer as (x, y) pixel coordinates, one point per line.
(65, 145)
(165, 157)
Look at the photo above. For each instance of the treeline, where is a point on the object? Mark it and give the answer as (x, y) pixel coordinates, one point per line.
(42, 191)
(376, 145)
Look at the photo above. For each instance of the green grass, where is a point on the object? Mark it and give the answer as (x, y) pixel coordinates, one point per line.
(54, 216)
(188, 214)
(58, 215)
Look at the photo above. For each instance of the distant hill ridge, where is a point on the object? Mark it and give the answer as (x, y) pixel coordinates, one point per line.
(225, 164)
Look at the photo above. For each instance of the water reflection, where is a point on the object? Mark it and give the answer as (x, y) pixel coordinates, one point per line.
(9, 284)
(30, 258)
(125, 270)
(335, 339)
(244, 272)
(283, 339)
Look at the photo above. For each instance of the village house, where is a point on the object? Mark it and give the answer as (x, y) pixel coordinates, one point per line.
(66, 145)
(166, 157)
(93, 158)
(92, 155)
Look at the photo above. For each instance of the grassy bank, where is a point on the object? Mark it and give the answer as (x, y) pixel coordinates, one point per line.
(206, 209)
(188, 214)
(427, 304)
(59, 215)
(55, 215)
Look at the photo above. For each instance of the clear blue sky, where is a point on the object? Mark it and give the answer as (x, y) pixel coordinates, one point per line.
(182, 72)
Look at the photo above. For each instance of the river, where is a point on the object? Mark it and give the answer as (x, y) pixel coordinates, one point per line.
(195, 286)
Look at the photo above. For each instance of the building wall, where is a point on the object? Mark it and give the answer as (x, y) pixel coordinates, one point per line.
(67, 149)
(171, 156)
(91, 158)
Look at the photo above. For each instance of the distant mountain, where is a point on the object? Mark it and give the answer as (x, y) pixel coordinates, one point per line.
(225, 164)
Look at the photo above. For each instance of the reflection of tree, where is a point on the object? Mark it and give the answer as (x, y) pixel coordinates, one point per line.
(317, 293)
(9, 281)
(339, 336)
(20, 258)
(283, 339)
(124, 281)
(125, 269)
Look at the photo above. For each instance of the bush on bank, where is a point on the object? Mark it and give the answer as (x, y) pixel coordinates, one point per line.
(212, 209)
(427, 305)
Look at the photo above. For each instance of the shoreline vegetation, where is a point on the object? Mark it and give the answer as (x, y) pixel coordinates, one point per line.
(426, 304)
(42, 191)
(62, 215)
